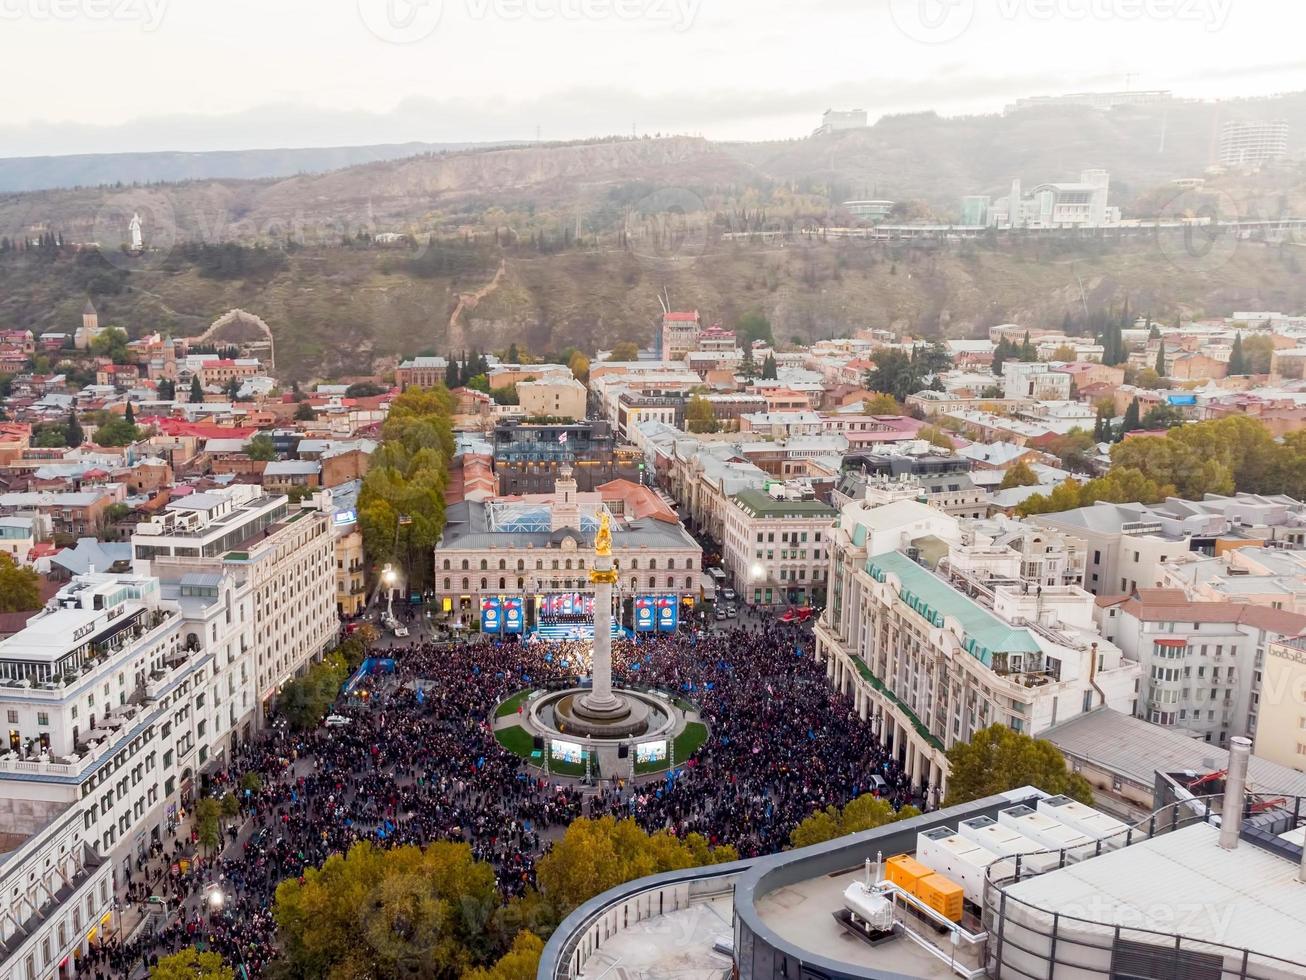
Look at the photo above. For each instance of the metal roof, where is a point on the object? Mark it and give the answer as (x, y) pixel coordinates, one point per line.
(1136, 749)
(1184, 883)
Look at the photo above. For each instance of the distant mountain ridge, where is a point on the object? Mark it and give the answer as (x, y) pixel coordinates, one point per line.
(41, 173)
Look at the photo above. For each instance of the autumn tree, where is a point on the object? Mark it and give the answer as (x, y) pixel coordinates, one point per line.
(881, 403)
(20, 587)
(521, 962)
(191, 964)
(406, 911)
(595, 855)
(866, 812)
(700, 416)
(625, 350)
(1019, 475)
(580, 367)
(998, 759)
(401, 503)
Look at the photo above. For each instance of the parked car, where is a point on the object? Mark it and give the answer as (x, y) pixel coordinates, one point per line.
(731, 611)
(401, 631)
(728, 594)
(720, 613)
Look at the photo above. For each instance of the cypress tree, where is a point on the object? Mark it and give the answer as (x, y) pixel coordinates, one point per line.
(1237, 359)
(1160, 360)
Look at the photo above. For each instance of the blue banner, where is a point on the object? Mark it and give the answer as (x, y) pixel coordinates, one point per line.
(644, 622)
(668, 613)
(491, 615)
(513, 620)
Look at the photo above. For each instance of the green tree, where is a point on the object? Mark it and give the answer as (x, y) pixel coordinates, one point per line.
(514, 355)
(191, 964)
(49, 436)
(700, 416)
(305, 699)
(881, 403)
(998, 759)
(625, 350)
(407, 479)
(1064, 353)
(1131, 420)
(111, 343)
(261, 447)
(405, 911)
(1019, 475)
(167, 390)
(747, 366)
(754, 326)
(478, 382)
(505, 395)
(769, 371)
(196, 392)
(1237, 360)
(595, 855)
(129, 414)
(208, 823)
(73, 435)
(866, 812)
(1160, 361)
(895, 374)
(304, 411)
(1259, 353)
(1072, 449)
(20, 587)
(117, 431)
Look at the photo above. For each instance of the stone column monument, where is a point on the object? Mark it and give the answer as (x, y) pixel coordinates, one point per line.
(600, 704)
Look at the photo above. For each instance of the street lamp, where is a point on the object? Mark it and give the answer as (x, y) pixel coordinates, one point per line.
(215, 897)
(757, 573)
(388, 577)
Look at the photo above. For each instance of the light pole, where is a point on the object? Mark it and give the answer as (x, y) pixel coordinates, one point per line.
(757, 573)
(388, 577)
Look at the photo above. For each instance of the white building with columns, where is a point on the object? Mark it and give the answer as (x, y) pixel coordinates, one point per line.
(934, 659)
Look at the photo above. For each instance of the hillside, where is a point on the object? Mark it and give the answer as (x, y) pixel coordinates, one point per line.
(101, 169)
(338, 310)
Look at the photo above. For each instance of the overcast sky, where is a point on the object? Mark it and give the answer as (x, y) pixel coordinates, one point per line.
(112, 75)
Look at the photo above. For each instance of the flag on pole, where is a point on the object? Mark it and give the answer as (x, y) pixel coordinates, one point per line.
(562, 438)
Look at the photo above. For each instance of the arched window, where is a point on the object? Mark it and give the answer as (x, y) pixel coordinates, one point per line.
(503, 582)
(485, 583)
(671, 581)
(502, 565)
(521, 565)
(464, 582)
(484, 565)
(652, 582)
(671, 563)
(521, 583)
(634, 563)
(569, 564)
(634, 583)
(446, 584)
(689, 581)
(464, 564)
(652, 564)
(446, 564)
(539, 564)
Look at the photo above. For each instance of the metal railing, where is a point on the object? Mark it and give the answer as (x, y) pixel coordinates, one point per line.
(1056, 933)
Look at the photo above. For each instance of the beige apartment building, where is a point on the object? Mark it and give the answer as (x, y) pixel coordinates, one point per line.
(775, 547)
(1281, 725)
(561, 398)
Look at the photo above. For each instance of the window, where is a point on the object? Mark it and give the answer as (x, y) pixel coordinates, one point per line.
(43, 719)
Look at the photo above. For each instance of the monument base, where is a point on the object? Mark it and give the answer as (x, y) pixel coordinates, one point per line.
(574, 714)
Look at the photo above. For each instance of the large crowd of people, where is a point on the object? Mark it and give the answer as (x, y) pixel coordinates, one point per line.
(418, 762)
